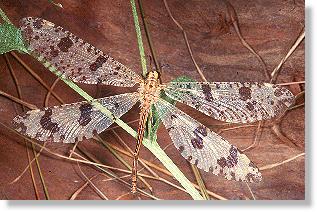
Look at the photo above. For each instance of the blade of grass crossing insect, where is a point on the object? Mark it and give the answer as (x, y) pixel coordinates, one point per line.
(139, 37)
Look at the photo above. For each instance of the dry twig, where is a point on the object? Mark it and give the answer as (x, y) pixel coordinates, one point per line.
(270, 166)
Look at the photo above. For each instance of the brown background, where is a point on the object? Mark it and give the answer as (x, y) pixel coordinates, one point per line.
(270, 27)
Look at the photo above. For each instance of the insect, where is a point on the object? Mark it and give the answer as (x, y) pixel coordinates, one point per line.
(234, 102)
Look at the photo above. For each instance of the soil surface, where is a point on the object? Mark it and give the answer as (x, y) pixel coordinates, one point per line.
(270, 27)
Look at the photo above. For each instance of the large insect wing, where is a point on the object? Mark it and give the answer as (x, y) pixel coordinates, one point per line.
(204, 148)
(72, 122)
(75, 58)
(233, 101)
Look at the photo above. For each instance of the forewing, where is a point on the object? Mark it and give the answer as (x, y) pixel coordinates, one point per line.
(204, 148)
(233, 101)
(75, 58)
(72, 122)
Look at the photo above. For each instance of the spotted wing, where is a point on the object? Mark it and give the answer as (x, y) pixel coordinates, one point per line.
(233, 101)
(71, 122)
(204, 148)
(76, 59)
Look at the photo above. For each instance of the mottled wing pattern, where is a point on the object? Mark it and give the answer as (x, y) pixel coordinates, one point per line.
(72, 122)
(233, 101)
(204, 148)
(76, 59)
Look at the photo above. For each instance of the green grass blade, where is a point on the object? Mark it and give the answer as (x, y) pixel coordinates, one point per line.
(139, 37)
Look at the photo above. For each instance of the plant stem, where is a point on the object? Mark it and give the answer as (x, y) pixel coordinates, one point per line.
(139, 37)
(147, 33)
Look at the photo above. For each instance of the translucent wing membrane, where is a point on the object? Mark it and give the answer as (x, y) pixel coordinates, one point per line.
(76, 59)
(233, 101)
(204, 148)
(71, 122)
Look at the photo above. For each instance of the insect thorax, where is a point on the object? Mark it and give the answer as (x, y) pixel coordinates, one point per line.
(149, 89)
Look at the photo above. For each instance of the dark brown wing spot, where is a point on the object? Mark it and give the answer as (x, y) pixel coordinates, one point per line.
(64, 44)
(62, 138)
(250, 106)
(27, 33)
(233, 175)
(54, 52)
(207, 92)
(245, 93)
(83, 79)
(94, 132)
(181, 148)
(38, 135)
(252, 177)
(222, 162)
(46, 122)
(231, 160)
(199, 132)
(85, 114)
(173, 116)
(38, 23)
(197, 143)
(279, 91)
(169, 129)
(98, 63)
(89, 49)
(222, 115)
(19, 126)
(116, 105)
(211, 169)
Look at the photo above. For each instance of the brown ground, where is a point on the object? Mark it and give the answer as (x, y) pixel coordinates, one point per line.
(270, 27)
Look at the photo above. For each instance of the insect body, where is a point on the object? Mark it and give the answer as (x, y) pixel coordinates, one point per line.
(149, 92)
(234, 102)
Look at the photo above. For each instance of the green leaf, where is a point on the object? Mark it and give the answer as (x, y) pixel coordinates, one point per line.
(10, 39)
